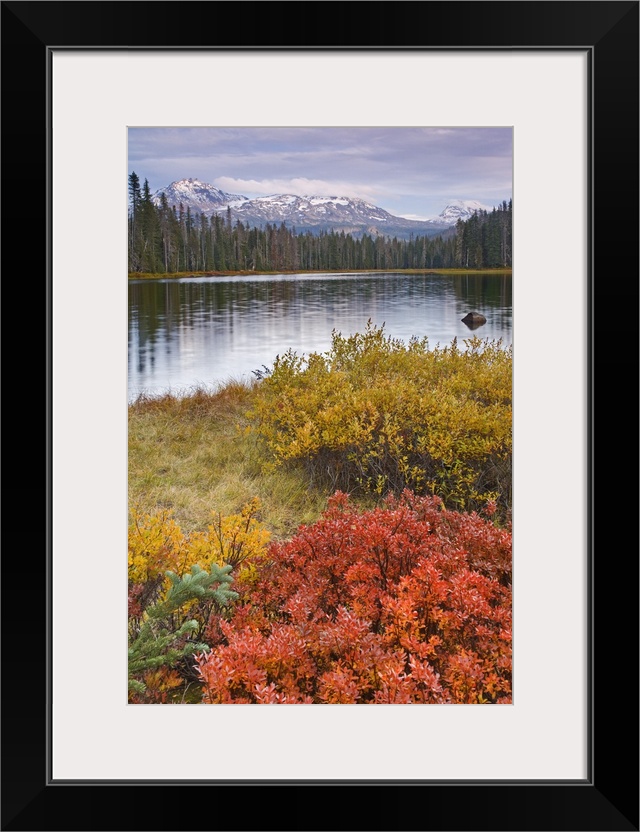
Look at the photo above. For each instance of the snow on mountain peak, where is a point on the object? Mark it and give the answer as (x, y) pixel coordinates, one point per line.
(193, 193)
(316, 212)
(461, 209)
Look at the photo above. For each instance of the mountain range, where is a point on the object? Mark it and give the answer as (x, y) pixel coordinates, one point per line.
(312, 213)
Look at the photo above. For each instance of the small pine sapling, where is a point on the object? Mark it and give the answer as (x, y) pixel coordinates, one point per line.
(161, 640)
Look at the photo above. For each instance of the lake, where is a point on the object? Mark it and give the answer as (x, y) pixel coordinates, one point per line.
(200, 331)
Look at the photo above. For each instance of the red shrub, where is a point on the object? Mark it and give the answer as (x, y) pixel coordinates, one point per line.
(406, 603)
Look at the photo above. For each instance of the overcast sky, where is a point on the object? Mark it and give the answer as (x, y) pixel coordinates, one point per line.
(409, 171)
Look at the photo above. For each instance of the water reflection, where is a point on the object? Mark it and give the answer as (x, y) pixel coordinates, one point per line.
(201, 331)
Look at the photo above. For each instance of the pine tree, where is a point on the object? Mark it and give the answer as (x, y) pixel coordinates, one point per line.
(134, 193)
(134, 225)
(151, 233)
(160, 641)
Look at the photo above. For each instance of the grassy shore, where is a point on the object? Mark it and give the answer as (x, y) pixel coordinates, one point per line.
(177, 275)
(195, 455)
(370, 417)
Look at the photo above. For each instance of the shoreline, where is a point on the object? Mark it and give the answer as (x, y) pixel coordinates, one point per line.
(507, 272)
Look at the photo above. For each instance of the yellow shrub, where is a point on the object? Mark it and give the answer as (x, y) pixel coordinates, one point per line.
(156, 543)
(378, 415)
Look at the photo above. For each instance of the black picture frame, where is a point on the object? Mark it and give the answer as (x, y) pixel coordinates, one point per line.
(608, 798)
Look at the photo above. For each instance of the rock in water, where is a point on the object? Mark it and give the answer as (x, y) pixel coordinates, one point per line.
(473, 320)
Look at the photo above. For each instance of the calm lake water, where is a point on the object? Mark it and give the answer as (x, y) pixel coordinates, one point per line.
(200, 331)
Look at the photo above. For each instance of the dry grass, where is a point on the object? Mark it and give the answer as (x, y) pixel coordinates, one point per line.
(195, 455)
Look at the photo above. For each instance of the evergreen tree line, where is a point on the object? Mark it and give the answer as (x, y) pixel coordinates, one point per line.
(164, 239)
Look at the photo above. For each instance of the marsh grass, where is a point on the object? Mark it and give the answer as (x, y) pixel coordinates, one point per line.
(193, 453)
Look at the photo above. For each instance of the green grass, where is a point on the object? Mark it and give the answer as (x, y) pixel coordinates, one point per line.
(194, 455)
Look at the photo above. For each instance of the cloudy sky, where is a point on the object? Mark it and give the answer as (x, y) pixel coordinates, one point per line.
(409, 171)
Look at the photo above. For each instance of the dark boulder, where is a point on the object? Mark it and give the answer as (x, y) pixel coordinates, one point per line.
(473, 320)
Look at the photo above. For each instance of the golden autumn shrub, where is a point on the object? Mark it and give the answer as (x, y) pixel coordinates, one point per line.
(376, 415)
(157, 543)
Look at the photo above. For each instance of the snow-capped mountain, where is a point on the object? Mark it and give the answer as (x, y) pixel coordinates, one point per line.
(311, 213)
(341, 213)
(200, 197)
(460, 209)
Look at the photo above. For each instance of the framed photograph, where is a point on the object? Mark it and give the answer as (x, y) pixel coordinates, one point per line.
(562, 78)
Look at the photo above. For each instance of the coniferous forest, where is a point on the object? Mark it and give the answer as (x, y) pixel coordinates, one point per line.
(166, 239)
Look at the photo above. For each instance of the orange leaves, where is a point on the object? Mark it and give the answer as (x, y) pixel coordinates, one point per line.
(339, 686)
(403, 604)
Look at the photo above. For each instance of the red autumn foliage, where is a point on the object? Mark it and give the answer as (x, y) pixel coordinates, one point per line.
(409, 603)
